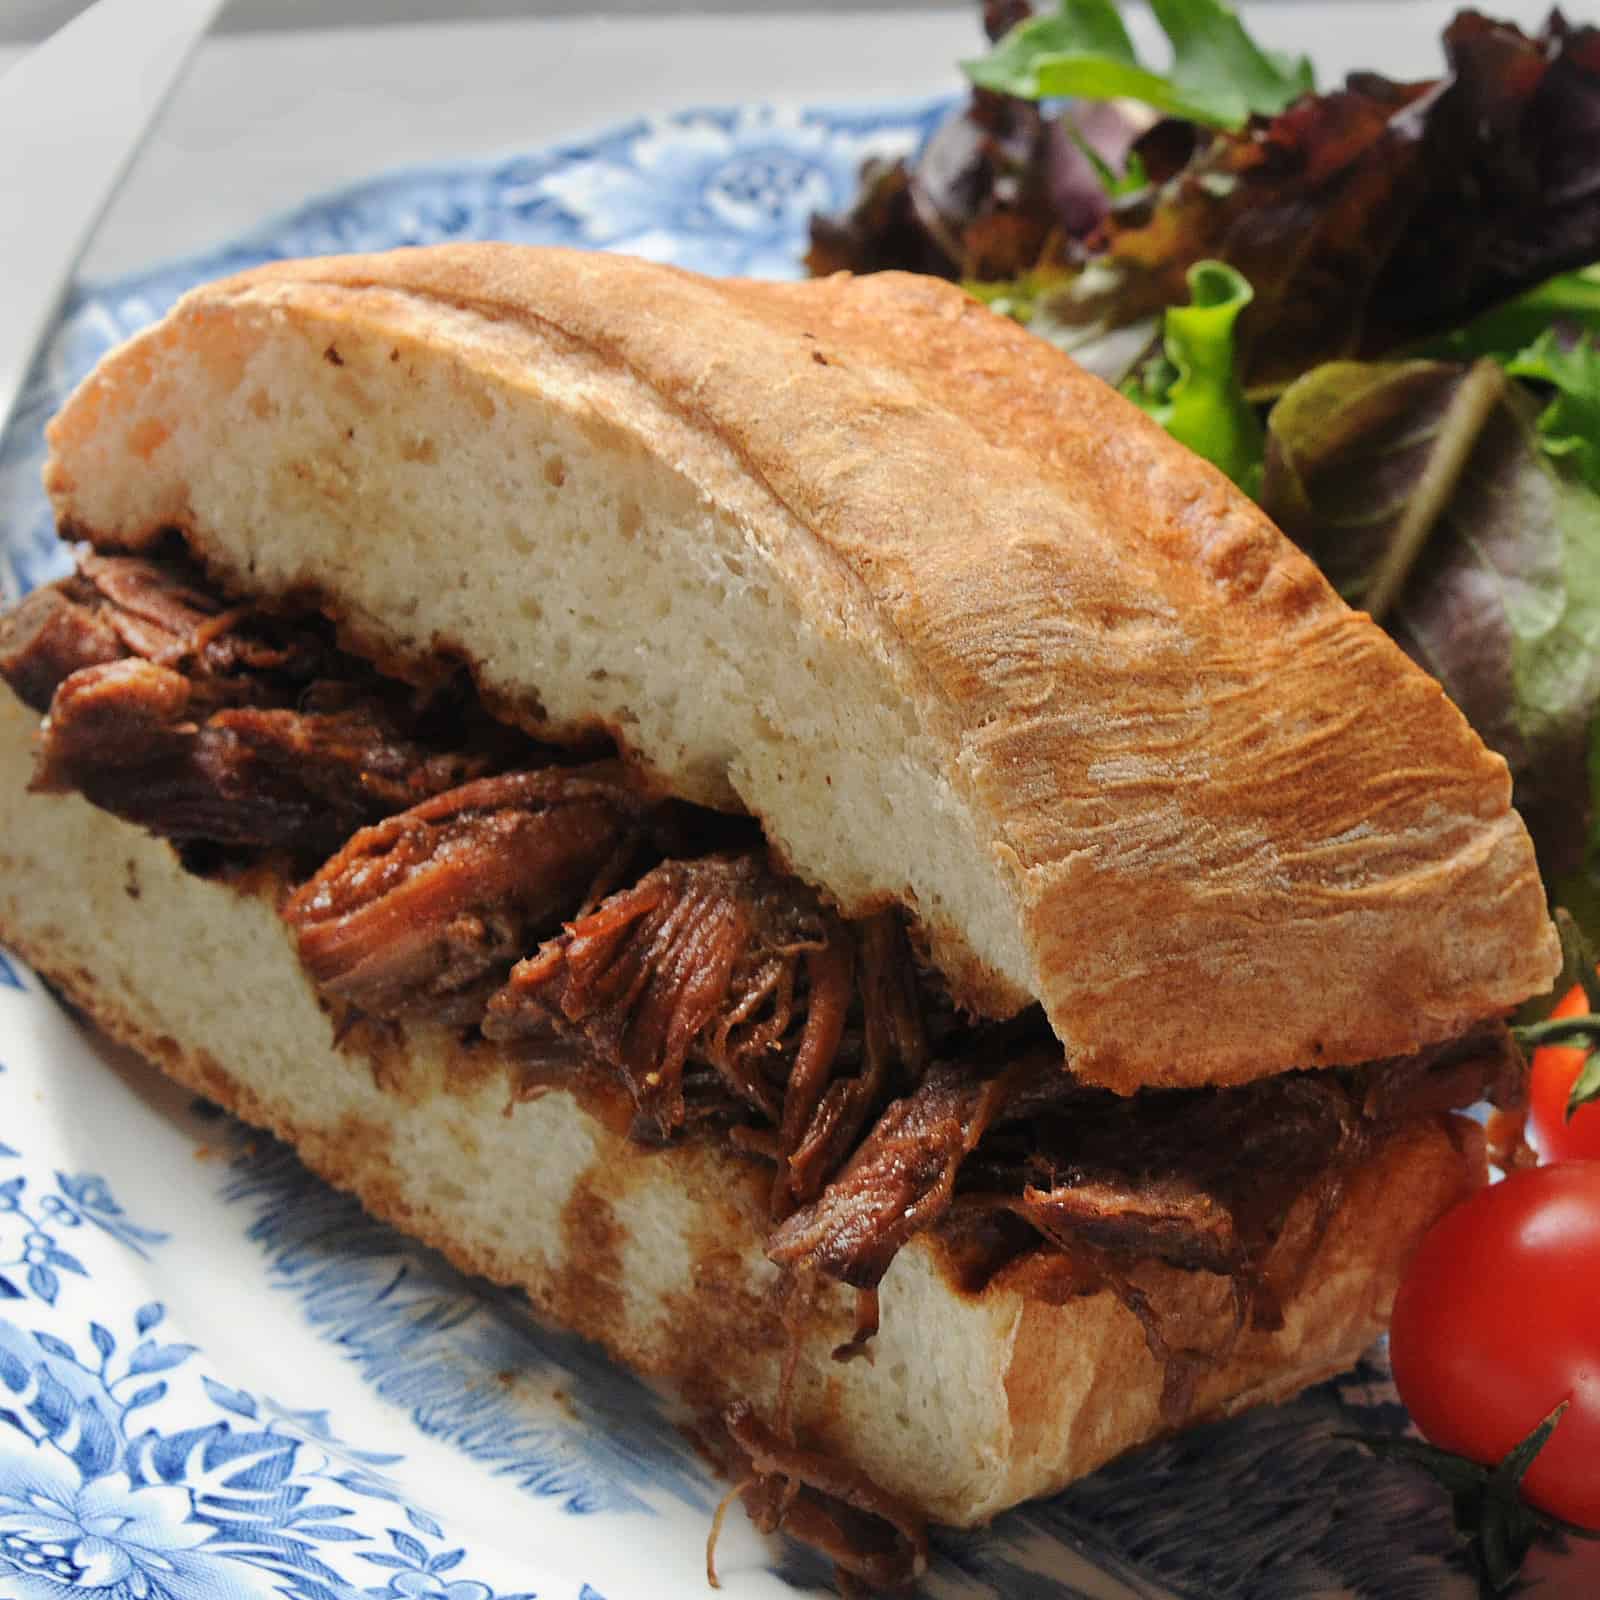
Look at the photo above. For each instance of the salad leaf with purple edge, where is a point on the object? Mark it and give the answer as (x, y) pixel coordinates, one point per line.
(989, 194)
(1421, 489)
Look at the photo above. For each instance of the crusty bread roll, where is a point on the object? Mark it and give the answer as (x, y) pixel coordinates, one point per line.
(971, 639)
(966, 631)
(969, 1403)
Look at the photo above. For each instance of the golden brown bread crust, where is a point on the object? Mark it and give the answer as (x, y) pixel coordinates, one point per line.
(970, 1403)
(1237, 828)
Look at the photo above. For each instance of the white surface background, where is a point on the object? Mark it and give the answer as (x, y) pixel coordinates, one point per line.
(268, 115)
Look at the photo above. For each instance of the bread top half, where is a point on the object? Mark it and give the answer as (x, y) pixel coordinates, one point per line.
(963, 628)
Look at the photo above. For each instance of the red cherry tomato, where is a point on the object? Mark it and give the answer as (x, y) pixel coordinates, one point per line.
(1498, 1321)
(1555, 1069)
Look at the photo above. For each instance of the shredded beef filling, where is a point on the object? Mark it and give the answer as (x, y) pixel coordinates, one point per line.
(225, 724)
(899, 1182)
(424, 913)
(1201, 1180)
(470, 877)
(722, 969)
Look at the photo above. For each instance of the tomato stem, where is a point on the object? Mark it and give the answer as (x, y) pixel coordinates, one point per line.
(1489, 1512)
(1585, 1087)
(1583, 1029)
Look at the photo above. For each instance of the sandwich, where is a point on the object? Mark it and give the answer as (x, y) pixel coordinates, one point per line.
(787, 822)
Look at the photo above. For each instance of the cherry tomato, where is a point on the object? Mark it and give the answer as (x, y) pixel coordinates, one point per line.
(1498, 1321)
(1555, 1069)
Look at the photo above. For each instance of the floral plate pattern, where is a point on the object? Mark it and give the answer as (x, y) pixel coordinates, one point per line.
(220, 1381)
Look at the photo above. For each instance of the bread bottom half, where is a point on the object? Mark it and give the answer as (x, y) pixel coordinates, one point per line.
(967, 1403)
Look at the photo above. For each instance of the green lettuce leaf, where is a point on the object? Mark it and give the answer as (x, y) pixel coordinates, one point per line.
(1193, 387)
(1219, 76)
(1421, 489)
(1569, 425)
(1550, 336)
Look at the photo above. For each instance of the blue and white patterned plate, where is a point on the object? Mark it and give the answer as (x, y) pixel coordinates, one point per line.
(220, 1381)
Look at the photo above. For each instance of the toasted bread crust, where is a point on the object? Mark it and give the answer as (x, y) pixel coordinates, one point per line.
(970, 1402)
(1109, 737)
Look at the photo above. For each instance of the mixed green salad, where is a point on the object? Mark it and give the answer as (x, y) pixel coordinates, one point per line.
(1375, 307)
